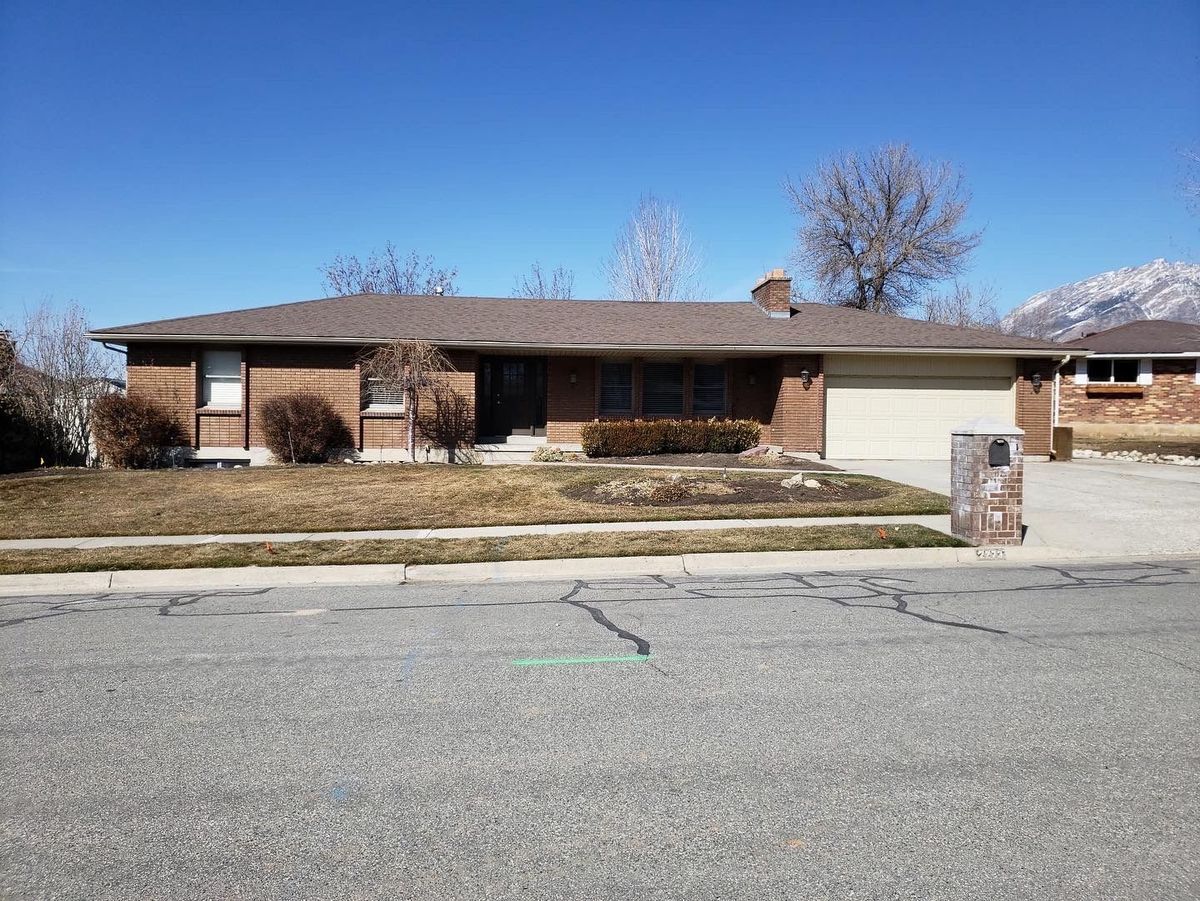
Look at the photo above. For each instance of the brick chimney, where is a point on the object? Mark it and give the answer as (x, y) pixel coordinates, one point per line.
(773, 294)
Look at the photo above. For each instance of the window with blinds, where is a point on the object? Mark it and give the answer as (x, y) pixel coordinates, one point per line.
(616, 387)
(662, 389)
(222, 374)
(708, 389)
(382, 397)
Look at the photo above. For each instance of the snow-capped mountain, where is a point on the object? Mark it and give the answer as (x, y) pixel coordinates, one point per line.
(1157, 290)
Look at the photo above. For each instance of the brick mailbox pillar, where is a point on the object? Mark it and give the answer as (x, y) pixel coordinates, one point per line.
(986, 482)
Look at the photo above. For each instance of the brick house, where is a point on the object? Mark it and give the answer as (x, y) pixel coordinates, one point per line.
(1141, 379)
(822, 380)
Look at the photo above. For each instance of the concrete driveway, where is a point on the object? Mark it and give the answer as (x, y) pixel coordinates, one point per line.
(1098, 506)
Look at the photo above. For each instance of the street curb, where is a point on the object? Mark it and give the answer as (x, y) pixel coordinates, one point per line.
(538, 570)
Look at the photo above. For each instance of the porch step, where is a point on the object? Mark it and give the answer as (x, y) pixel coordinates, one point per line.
(499, 453)
(512, 441)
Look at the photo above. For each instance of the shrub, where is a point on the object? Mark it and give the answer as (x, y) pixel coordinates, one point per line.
(548, 453)
(303, 428)
(133, 432)
(626, 438)
(20, 444)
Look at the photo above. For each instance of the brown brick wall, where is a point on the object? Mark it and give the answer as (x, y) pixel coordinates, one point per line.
(798, 416)
(1035, 409)
(221, 429)
(569, 406)
(166, 374)
(1172, 399)
(326, 371)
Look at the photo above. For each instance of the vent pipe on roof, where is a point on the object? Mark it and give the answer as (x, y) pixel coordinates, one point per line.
(440, 290)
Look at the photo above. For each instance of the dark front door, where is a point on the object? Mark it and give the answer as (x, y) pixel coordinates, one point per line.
(512, 396)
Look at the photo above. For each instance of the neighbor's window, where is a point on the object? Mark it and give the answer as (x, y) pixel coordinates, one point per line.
(222, 371)
(662, 389)
(616, 387)
(708, 389)
(382, 397)
(1112, 370)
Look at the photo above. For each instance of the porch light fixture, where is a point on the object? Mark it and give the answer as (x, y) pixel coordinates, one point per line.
(751, 379)
(805, 377)
(572, 377)
(1036, 381)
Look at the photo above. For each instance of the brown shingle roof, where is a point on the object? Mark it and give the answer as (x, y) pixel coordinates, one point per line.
(1145, 336)
(491, 321)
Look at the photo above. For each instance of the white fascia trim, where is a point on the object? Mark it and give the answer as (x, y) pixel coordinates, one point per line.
(1183, 355)
(621, 348)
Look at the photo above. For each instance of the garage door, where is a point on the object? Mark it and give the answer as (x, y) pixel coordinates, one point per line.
(903, 408)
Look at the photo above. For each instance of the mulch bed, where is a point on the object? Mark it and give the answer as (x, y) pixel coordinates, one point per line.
(652, 491)
(725, 461)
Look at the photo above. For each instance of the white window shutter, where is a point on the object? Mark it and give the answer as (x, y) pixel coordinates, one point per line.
(1081, 371)
(223, 393)
(1145, 371)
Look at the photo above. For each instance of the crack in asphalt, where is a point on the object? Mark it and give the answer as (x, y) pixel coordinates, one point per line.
(643, 646)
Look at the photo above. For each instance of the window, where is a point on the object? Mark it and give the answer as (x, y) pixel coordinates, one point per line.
(708, 389)
(1112, 370)
(616, 387)
(222, 371)
(662, 389)
(383, 397)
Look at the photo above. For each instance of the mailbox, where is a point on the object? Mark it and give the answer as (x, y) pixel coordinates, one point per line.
(999, 453)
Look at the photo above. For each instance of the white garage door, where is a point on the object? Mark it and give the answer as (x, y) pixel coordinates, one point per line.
(903, 408)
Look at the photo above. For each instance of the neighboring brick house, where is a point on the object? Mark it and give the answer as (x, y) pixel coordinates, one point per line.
(1141, 379)
(822, 380)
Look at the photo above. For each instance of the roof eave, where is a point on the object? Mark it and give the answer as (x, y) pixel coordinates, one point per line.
(127, 337)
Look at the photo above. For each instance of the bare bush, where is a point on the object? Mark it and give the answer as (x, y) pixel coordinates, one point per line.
(303, 428)
(388, 272)
(653, 257)
(878, 228)
(134, 432)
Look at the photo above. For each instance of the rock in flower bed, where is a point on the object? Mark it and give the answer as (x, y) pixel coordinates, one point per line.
(1137, 456)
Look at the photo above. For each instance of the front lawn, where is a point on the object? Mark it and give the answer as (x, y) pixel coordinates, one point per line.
(476, 550)
(351, 498)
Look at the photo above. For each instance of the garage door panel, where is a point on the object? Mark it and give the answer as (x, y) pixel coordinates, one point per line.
(893, 407)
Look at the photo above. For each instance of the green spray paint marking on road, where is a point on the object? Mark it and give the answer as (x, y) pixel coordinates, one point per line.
(567, 661)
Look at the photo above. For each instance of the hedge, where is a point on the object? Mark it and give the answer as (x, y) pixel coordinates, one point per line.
(638, 438)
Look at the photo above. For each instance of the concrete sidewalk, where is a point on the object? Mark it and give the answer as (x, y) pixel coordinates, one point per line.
(939, 523)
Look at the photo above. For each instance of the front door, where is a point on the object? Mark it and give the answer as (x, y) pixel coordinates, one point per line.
(513, 396)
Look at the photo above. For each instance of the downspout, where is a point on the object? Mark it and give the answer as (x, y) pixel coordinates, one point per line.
(1057, 384)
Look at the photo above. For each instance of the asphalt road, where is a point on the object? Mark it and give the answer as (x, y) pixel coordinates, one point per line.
(961, 733)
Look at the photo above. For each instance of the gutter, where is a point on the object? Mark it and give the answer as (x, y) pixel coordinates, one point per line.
(760, 349)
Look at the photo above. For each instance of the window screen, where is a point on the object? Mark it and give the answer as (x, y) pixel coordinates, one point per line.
(616, 387)
(381, 396)
(662, 389)
(708, 389)
(222, 371)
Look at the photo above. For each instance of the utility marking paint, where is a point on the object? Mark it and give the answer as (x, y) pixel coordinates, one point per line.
(568, 661)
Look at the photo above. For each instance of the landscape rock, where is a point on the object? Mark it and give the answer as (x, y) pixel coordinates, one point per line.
(811, 483)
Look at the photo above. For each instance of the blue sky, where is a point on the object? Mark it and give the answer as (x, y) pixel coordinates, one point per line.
(166, 159)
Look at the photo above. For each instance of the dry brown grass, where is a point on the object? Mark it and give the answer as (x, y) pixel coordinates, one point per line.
(345, 498)
(476, 550)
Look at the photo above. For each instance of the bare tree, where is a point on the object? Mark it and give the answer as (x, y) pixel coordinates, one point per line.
(534, 284)
(878, 228)
(388, 273)
(653, 257)
(411, 368)
(964, 306)
(58, 375)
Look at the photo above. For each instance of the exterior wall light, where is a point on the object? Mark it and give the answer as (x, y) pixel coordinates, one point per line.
(1036, 381)
(805, 378)
(572, 378)
(751, 379)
